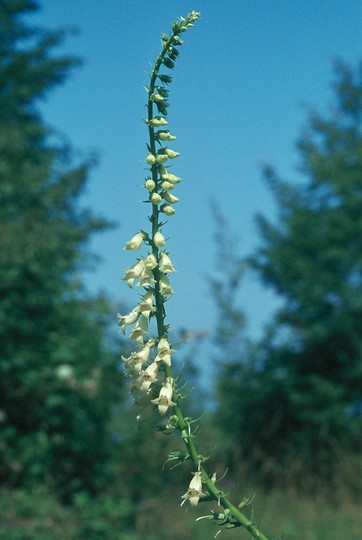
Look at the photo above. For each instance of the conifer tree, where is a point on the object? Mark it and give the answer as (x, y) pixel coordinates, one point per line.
(300, 404)
(53, 357)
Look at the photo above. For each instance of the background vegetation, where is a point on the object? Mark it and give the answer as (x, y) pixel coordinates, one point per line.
(287, 418)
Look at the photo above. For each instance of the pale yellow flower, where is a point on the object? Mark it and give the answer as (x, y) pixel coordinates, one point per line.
(166, 265)
(150, 261)
(158, 239)
(133, 273)
(165, 286)
(140, 330)
(148, 376)
(194, 491)
(146, 278)
(135, 242)
(146, 306)
(164, 400)
(130, 318)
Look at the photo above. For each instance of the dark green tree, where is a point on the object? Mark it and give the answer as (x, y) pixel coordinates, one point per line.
(298, 411)
(58, 369)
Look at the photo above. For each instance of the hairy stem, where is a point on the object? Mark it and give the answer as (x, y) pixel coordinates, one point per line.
(235, 516)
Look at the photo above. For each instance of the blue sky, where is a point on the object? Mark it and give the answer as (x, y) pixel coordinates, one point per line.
(238, 99)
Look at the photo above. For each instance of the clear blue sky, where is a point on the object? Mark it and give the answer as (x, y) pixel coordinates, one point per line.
(243, 75)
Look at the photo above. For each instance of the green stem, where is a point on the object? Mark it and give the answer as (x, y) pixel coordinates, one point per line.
(183, 425)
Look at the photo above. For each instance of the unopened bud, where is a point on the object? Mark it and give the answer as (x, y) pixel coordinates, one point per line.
(170, 198)
(167, 186)
(151, 159)
(156, 198)
(150, 184)
(167, 209)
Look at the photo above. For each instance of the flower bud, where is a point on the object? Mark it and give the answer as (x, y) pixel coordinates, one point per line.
(167, 209)
(151, 159)
(165, 136)
(150, 184)
(156, 97)
(171, 153)
(171, 178)
(157, 121)
(167, 186)
(162, 158)
(170, 198)
(156, 198)
(158, 239)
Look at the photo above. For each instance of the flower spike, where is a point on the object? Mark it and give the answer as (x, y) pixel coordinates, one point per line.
(150, 365)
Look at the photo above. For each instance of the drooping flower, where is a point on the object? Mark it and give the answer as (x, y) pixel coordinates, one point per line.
(164, 400)
(138, 358)
(135, 242)
(146, 278)
(133, 273)
(126, 320)
(194, 491)
(163, 347)
(148, 376)
(158, 239)
(146, 306)
(166, 265)
(140, 330)
(164, 352)
(165, 286)
(150, 261)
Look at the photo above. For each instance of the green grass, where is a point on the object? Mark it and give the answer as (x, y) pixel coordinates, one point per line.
(37, 516)
(283, 516)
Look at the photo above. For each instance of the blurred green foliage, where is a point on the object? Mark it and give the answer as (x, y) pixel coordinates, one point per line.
(58, 366)
(291, 404)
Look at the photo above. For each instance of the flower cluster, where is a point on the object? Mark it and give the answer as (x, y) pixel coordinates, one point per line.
(149, 365)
